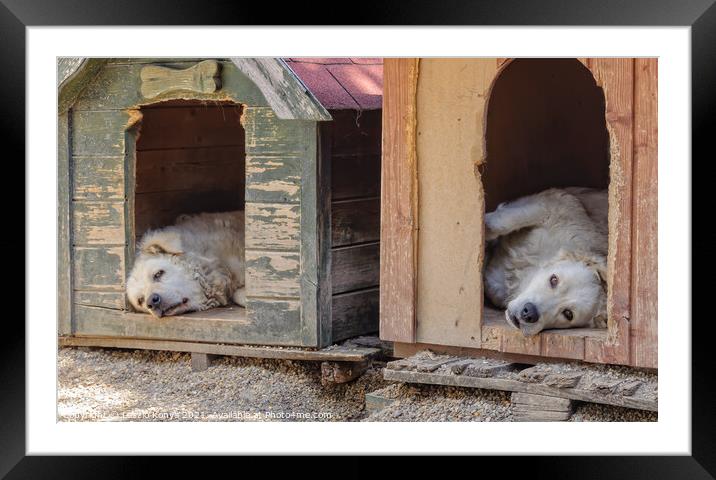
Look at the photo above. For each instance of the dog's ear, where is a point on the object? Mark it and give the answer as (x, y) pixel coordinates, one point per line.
(161, 241)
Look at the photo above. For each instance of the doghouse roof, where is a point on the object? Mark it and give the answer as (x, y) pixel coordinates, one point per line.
(342, 83)
(296, 88)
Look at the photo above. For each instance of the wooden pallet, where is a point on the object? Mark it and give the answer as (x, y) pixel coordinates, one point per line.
(340, 363)
(566, 380)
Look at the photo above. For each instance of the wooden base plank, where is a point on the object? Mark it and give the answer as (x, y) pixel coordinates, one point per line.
(201, 361)
(337, 353)
(566, 381)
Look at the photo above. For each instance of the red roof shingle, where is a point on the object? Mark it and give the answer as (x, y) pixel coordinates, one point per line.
(342, 83)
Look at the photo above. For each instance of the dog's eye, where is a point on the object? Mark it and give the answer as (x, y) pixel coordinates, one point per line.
(568, 314)
(140, 301)
(158, 275)
(553, 281)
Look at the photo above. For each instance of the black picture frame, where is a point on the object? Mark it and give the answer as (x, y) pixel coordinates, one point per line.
(700, 15)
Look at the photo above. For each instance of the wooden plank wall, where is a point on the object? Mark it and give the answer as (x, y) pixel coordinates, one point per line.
(98, 183)
(644, 307)
(616, 77)
(281, 250)
(450, 154)
(190, 159)
(355, 221)
(399, 221)
(64, 234)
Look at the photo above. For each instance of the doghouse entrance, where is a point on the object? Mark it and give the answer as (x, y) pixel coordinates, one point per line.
(190, 158)
(545, 127)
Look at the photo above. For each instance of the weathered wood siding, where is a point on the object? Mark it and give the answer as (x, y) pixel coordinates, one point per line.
(644, 310)
(399, 209)
(355, 149)
(281, 258)
(64, 225)
(97, 206)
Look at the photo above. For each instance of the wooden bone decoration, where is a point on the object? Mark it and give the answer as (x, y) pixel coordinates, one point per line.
(204, 77)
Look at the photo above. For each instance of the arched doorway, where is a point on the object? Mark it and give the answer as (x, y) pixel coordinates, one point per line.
(545, 127)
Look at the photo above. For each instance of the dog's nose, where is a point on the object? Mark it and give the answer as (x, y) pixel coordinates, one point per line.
(154, 301)
(529, 313)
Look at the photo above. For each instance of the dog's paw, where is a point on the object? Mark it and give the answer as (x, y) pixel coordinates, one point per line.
(492, 230)
(239, 297)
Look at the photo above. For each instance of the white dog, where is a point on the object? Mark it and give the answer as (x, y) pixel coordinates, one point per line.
(196, 264)
(546, 261)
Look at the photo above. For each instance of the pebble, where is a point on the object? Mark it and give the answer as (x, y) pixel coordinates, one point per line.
(140, 385)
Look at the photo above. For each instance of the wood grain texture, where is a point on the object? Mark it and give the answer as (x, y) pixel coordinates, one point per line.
(452, 96)
(644, 304)
(274, 319)
(196, 327)
(73, 75)
(273, 274)
(204, 77)
(267, 134)
(355, 221)
(341, 353)
(355, 267)
(118, 86)
(355, 176)
(64, 227)
(399, 222)
(273, 179)
(286, 94)
(356, 133)
(616, 77)
(312, 245)
(99, 133)
(98, 223)
(159, 209)
(355, 313)
(98, 178)
(192, 125)
(566, 343)
(317, 249)
(99, 268)
(563, 344)
(201, 169)
(583, 392)
(114, 300)
(273, 226)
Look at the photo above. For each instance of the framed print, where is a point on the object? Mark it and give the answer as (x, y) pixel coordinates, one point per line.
(493, 196)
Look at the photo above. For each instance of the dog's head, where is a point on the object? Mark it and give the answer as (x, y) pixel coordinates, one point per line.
(165, 280)
(569, 291)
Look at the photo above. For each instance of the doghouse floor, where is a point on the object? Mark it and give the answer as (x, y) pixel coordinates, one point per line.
(235, 313)
(496, 319)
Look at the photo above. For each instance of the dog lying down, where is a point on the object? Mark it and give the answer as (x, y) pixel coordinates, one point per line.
(546, 259)
(194, 265)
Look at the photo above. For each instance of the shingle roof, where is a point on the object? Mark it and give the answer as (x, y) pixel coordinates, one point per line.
(342, 83)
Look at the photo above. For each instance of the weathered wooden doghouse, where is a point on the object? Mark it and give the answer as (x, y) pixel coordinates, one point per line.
(295, 142)
(462, 135)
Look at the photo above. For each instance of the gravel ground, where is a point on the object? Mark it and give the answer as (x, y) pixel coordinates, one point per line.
(138, 385)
